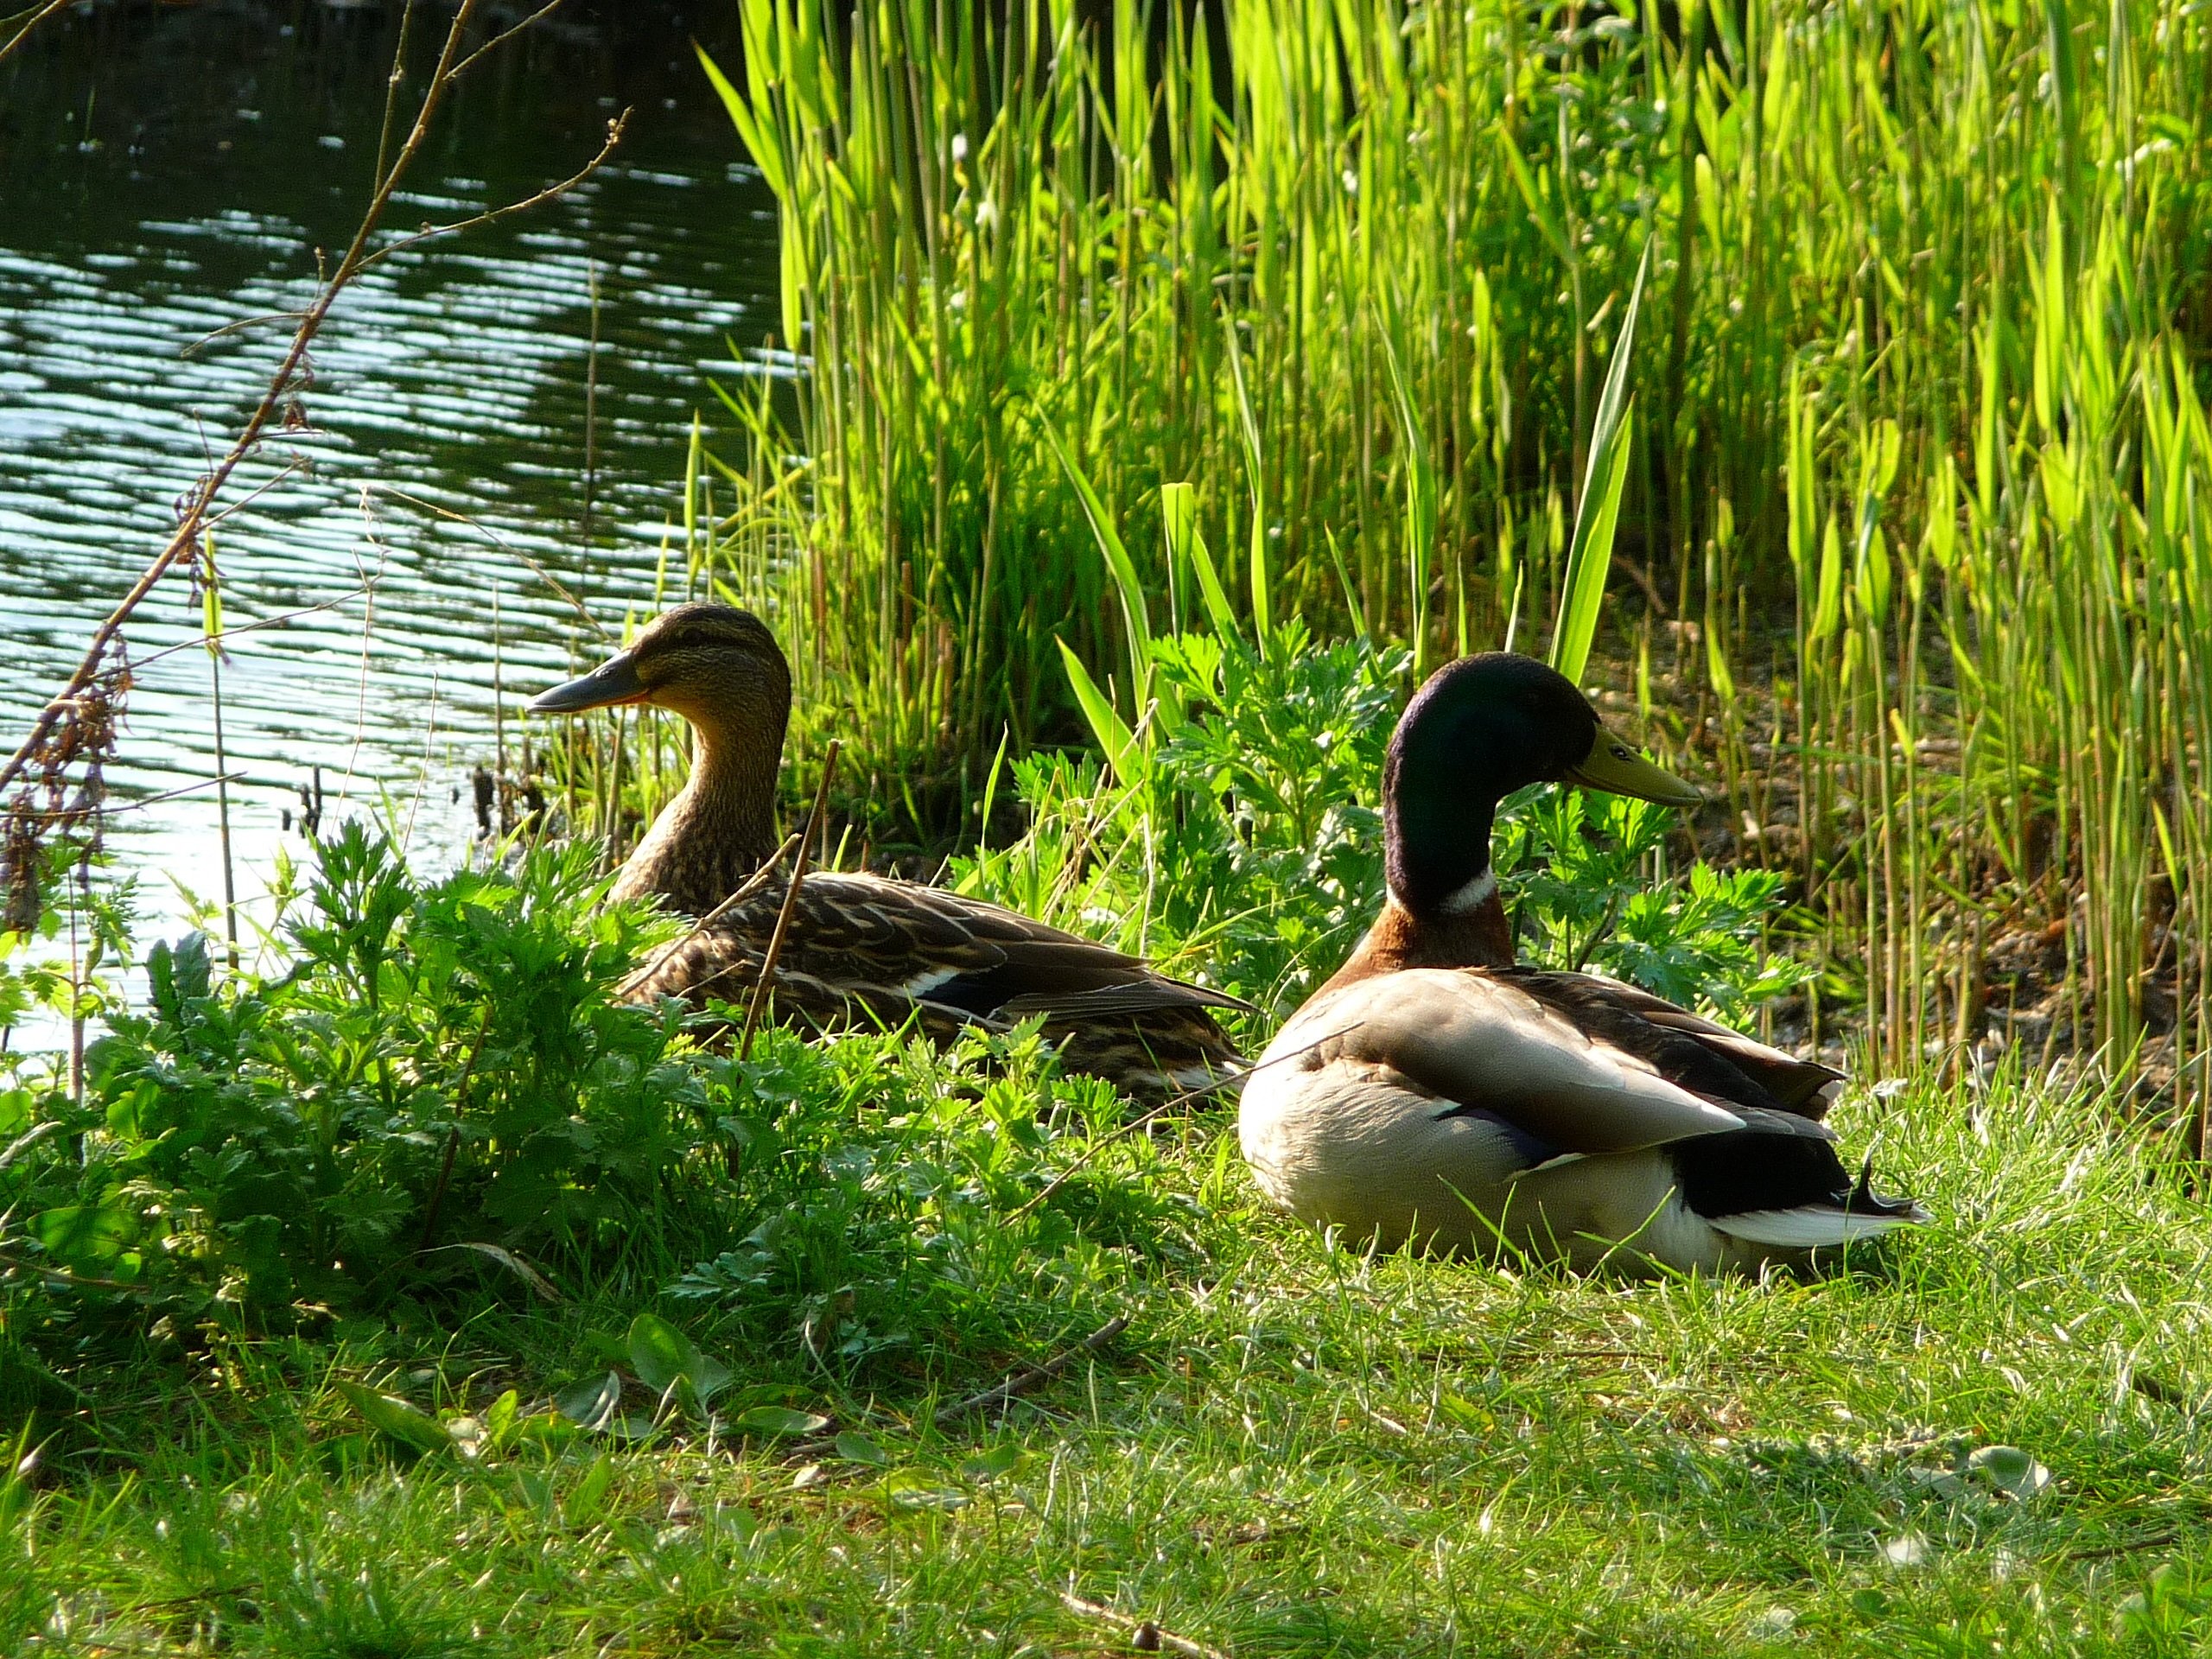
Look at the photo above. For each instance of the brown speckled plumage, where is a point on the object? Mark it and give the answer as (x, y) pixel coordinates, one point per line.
(721, 670)
(863, 949)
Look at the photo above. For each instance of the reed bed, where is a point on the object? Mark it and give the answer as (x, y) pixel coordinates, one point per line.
(1914, 541)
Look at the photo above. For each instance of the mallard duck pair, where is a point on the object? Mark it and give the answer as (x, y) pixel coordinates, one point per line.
(1432, 1093)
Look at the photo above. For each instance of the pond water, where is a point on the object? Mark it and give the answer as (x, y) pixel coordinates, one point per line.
(167, 172)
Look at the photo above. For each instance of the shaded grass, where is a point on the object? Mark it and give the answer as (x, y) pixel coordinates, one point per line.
(1294, 1449)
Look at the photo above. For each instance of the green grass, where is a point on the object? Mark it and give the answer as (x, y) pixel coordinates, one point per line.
(1292, 1450)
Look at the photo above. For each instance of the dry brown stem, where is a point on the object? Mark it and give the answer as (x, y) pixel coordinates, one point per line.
(790, 901)
(37, 16)
(1001, 1393)
(1035, 1376)
(754, 883)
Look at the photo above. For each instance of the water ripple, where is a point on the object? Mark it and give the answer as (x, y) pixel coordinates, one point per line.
(452, 372)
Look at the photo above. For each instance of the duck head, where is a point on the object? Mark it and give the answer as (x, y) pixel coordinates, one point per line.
(715, 665)
(1480, 728)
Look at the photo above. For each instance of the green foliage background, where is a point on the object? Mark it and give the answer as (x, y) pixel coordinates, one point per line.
(1913, 463)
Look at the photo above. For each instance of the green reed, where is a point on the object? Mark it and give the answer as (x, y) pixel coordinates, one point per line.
(1913, 508)
(1997, 474)
(998, 244)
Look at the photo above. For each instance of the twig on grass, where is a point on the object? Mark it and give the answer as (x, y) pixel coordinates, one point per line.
(1022, 1382)
(998, 1394)
(539, 1284)
(1144, 1634)
(2107, 1552)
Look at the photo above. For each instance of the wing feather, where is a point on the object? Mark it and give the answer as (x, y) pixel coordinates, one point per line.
(1482, 1040)
(862, 947)
(1706, 1056)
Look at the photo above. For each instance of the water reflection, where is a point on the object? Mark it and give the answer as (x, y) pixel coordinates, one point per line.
(143, 210)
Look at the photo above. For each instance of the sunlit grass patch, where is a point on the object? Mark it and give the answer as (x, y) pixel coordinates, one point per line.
(1987, 1428)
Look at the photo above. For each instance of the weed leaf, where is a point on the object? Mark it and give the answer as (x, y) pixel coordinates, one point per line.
(396, 1418)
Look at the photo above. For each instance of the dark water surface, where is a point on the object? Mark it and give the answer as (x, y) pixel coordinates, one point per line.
(166, 171)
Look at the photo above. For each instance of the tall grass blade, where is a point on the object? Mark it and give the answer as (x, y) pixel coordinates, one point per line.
(1590, 555)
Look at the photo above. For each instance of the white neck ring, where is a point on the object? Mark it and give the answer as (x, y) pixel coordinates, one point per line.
(1472, 896)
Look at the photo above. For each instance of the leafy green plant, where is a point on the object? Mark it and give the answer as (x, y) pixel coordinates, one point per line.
(881, 1185)
(438, 1063)
(1577, 873)
(1244, 845)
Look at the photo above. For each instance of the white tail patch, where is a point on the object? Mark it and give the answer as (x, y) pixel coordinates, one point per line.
(1807, 1227)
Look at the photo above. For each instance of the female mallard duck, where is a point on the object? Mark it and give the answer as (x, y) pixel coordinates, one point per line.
(860, 948)
(1433, 1093)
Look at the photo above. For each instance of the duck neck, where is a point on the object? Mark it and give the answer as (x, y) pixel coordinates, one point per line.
(721, 826)
(1443, 909)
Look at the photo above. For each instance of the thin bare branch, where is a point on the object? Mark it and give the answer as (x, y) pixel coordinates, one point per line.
(506, 546)
(1025, 1382)
(185, 541)
(239, 327)
(501, 39)
(63, 814)
(80, 1280)
(37, 16)
(199, 641)
(614, 129)
(790, 901)
(753, 884)
(1145, 1635)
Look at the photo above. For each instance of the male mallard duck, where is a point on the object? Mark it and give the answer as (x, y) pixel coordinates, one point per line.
(860, 948)
(1433, 1093)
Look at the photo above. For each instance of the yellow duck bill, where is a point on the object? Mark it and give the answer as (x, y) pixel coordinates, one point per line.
(1615, 768)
